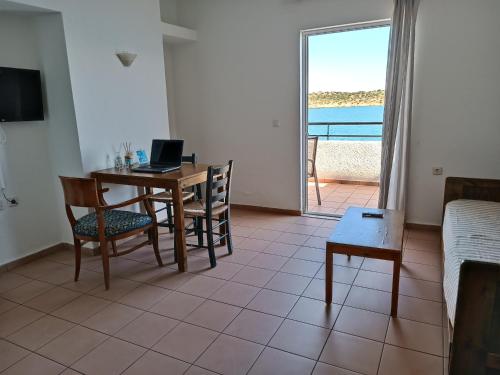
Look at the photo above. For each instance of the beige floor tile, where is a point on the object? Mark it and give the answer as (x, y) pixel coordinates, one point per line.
(239, 256)
(369, 299)
(315, 312)
(421, 289)
(118, 288)
(177, 305)
(112, 318)
(271, 302)
(144, 296)
(87, 281)
(202, 286)
(10, 354)
(422, 272)
(52, 299)
(254, 276)
(341, 274)
(235, 294)
(238, 230)
(113, 356)
(153, 363)
(6, 305)
(367, 324)
(324, 369)
(170, 279)
(422, 257)
(420, 244)
(34, 364)
(27, 291)
(281, 249)
(254, 326)
(343, 350)
(268, 261)
(277, 362)
(293, 238)
(147, 329)
(213, 315)
(265, 234)
(11, 280)
(230, 355)
(313, 241)
(311, 342)
(377, 265)
(72, 345)
(81, 308)
(186, 342)
(344, 261)
(253, 244)
(288, 283)
(307, 230)
(420, 310)
(316, 290)
(40, 332)
(310, 253)
(374, 280)
(399, 361)
(195, 370)
(17, 318)
(224, 270)
(415, 336)
(301, 267)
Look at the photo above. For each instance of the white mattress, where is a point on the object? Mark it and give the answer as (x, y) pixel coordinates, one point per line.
(471, 231)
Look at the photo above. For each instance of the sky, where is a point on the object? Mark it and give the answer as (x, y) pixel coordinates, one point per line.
(349, 60)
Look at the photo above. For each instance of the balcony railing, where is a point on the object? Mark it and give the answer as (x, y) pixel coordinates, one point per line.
(332, 131)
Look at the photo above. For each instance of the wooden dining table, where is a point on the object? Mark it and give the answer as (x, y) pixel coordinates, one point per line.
(188, 175)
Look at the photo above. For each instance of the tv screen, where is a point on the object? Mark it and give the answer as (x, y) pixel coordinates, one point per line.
(20, 95)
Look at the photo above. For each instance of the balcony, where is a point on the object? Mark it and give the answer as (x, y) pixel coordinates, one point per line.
(348, 165)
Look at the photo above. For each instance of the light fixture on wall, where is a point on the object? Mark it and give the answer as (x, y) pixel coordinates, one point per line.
(126, 58)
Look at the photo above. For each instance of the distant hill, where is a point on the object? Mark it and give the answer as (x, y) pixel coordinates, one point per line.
(345, 99)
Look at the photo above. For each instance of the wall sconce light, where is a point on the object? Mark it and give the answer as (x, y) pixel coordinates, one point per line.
(126, 58)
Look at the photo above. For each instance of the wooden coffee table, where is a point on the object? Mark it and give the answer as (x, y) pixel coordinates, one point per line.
(378, 238)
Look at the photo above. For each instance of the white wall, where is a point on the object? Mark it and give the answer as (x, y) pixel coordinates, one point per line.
(242, 73)
(25, 159)
(456, 121)
(94, 103)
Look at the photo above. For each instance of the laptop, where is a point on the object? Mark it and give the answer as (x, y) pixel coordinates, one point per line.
(166, 156)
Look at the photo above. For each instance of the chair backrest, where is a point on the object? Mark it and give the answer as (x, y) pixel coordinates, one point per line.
(190, 158)
(218, 186)
(312, 148)
(80, 192)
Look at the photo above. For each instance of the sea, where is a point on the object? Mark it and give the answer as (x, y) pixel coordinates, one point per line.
(347, 114)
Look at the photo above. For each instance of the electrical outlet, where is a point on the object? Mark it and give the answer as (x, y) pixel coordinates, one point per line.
(14, 201)
(437, 171)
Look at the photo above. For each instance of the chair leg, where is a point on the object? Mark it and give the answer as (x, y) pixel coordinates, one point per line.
(105, 262)
(154, 238)
(199, 230)
(170, 218)
(210, 240)
(317, 186)
(222, 229)
(229, 239)
(113, 247)
(78, 258)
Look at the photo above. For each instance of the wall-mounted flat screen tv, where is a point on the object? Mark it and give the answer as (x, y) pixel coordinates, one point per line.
(20, 95)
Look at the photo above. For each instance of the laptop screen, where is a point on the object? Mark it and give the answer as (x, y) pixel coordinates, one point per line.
(166, 151)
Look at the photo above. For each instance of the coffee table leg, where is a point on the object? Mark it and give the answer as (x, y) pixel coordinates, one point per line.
(329, 277)
(395, 287)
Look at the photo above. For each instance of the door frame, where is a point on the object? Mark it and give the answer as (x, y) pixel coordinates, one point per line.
(304, 88)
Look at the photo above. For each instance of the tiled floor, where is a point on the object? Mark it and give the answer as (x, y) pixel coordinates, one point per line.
(260, 311)
(335, 197)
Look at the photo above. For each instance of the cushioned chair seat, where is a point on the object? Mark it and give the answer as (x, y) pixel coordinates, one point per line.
(116, 222)
(166, 196)
(197, 208)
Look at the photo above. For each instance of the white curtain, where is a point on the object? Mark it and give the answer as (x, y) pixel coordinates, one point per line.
(398, 106)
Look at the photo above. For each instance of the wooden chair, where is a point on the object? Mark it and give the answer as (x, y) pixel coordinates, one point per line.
(165, 197)
(312, 148)
(214, 208)
(106, 224)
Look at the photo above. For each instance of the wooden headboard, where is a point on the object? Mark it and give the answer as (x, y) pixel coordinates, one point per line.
(471, 188)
